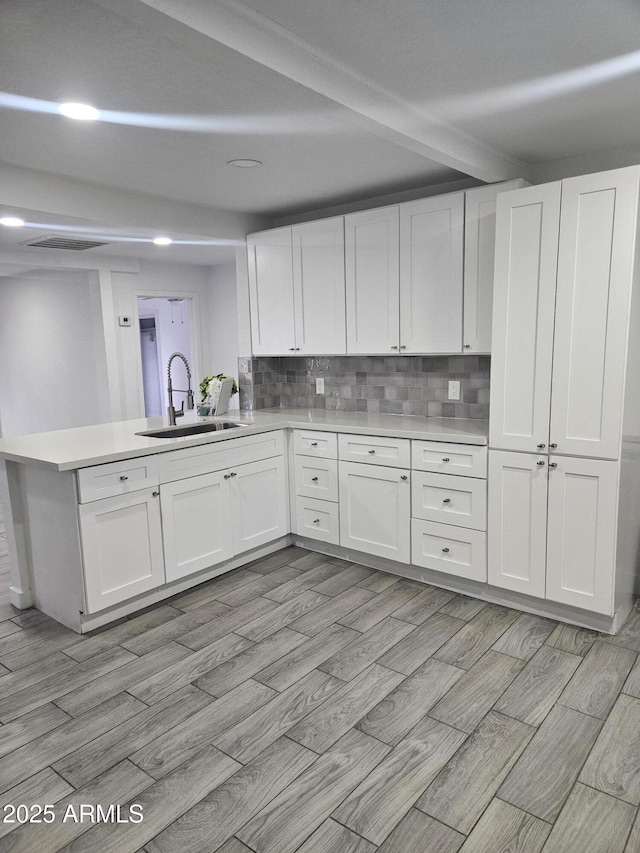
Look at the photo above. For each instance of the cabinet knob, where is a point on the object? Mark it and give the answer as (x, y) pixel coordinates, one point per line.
(372, 451)
(541, 446)
(155, 494)
(403, 477)
(124, 477)
(445, 459)
(446, 500)
(226, 476)
(445, 550)
(402, 347)
(316, 521)
(466, 346)
(553, 464)
(540, 463)
(394, 347)
(314, 444)
(314, 479)
(292, 349)
(553, 446)
(297, 349)
(233, 474)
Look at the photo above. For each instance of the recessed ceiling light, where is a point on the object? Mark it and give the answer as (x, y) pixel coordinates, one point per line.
(162, 241)
(12, 221)
(81, 112)
(244, 164)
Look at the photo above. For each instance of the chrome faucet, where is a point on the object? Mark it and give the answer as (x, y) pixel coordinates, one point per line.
(171, 411)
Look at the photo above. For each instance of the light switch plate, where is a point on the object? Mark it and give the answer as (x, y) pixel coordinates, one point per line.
(124, 320)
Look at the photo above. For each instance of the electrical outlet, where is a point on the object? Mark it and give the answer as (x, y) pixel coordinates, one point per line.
(124, 321)
(454, 390)
(320, 385)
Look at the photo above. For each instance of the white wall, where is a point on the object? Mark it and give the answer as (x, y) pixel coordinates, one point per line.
(225, 345)
(52, 355)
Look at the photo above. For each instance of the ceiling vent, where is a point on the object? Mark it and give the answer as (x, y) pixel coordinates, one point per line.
(72, 243)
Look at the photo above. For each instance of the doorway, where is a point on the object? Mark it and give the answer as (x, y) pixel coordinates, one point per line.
(165, 327)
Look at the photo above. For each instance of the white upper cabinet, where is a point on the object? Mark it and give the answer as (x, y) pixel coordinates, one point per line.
(479, 254)
(271, 292)
(561, 306)
(595, 268)
(372, 251)
(431, 261)
(523, 316)
(318, 287)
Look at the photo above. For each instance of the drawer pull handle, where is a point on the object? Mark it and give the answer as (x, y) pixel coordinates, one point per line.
(314, 479)
(314, 444)
(403, 477)
(553, 464)
(233, 474)
(445, 550)
(553, 446)
(372, 451)
(316, 521)
(155, 494)
(446, 500)
(292, 349)
(540, 463)
(541, 446)
(403, 347)
(394, 347)
(445, 459)
(226, 476)
(123, 477)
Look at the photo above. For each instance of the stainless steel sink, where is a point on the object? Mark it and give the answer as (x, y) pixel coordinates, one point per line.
(190, 429)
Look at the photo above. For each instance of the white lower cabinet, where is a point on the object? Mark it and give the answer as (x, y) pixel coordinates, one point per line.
(196, 524)
(259, 503)
(318, 519)
(552, 528)
(452, 550)
(375, 510)
(121, 547)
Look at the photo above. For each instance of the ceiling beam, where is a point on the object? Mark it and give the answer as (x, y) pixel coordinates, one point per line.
(380, 111)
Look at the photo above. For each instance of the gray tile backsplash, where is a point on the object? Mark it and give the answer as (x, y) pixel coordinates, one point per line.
(408, 385)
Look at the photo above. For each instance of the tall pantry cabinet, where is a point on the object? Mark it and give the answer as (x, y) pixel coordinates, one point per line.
(564, 483)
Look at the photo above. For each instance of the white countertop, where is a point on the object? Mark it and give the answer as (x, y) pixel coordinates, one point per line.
(68, 449)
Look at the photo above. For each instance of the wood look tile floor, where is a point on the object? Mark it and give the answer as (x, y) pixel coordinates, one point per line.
(306, 704)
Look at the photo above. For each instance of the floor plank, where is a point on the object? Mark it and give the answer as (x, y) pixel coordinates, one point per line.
(467, 646)
(598, 680)
(216, 818)
(331, 837)
(281, 616)
(613, 765)
(343, 580)
(379, 581)
(213, 589)
(505, 829)
(30, 726)
(572, 639)
(477, 691)
(44, 787)
(361, 653)
(186, 740)
(235, 619)
(421, 643)
(417, 831)
(300, 809)
(524, 638)
(326, 614)
(463, 607)
(591, 822)
(546, 771)
(532, 694)
(320, 730)
(156, 637)
(374, 611)
(108, 749)
(381, 800)
(304, 581)
(259, 587)
(391, 719)
(424, 605)
(467, 784)
(261, 728)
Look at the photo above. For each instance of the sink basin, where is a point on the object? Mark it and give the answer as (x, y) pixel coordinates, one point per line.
(190, 429)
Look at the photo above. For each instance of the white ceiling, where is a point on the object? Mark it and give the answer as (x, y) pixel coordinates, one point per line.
(341, 100)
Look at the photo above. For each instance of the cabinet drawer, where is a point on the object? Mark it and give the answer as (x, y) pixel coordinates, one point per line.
(323, 444)
(453, 550)
(451, 500)
(317, 478)
(117, 478)
(466, 460)
(207, 458)
(375, 450)
(317, 519)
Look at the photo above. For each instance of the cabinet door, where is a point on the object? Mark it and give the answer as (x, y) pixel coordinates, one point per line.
(431, 251)
(595, 269)
(271, 292)
(319, 288)
(121, 547)
(523, 316)
(375, 506)
(479, 254)
(196, 524)
(259, 503)
(581, 553)
(372, 253)
(516, 522)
